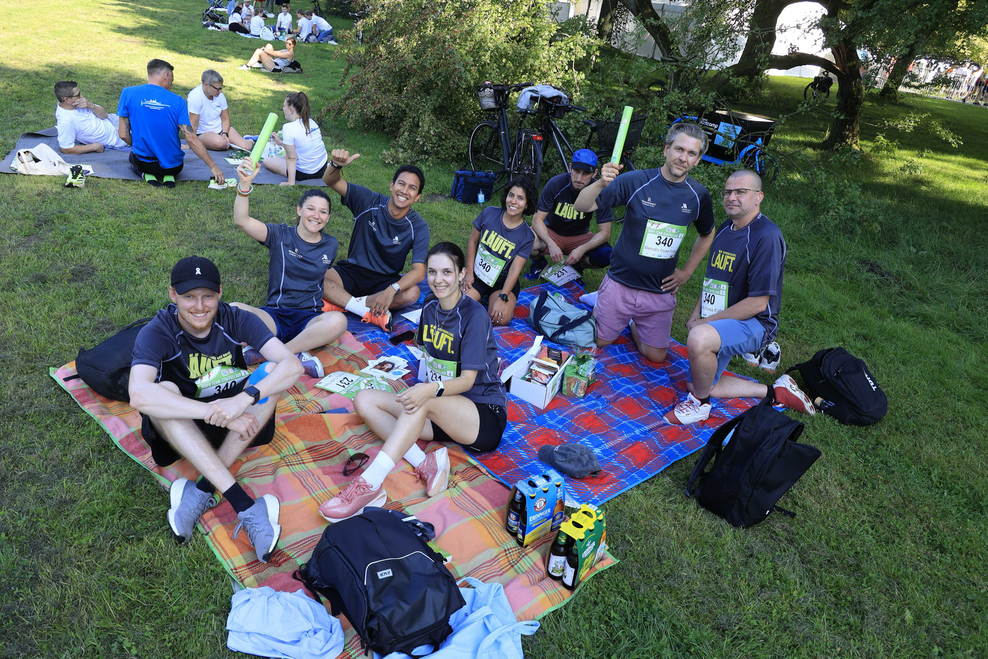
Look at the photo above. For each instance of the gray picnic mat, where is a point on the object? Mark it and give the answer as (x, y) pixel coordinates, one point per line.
(115, 164)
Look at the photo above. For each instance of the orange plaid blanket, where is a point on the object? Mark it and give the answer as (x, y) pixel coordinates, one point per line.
(315, 433)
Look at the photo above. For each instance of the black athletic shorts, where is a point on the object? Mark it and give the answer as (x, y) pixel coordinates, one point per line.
(302, 176)
(493, 421)
(152, 167)
(164, 454)
(359, 281)
(485, 291)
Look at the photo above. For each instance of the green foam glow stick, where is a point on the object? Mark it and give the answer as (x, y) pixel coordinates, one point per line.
(262, 138)
(622, 134)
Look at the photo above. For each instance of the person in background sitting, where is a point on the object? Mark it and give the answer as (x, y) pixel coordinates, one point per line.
(83, 126)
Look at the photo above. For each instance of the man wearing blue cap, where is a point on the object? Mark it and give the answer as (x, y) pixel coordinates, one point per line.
(564, 232)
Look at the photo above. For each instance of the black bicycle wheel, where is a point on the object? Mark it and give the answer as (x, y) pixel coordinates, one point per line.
(762, 163)
(486, 154)
(527, 161)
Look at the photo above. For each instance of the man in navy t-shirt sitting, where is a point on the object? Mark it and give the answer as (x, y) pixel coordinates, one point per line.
(197, 401)
(738, 311)
(564, 232)
(385, 229)
(151, 119)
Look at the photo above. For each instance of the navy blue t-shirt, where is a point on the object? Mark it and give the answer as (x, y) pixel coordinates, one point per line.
(657, 214)
(379, 242)
(557, 200)
(297, 268)
(463, 338)
(155, 114)
(749, 263)
(498, 246)
(182, 359)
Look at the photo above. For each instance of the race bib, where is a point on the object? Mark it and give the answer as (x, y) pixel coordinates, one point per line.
(714, 298)
(219, 380)
(434, 370)
(560, 273)
(661, 240)
(487, 267)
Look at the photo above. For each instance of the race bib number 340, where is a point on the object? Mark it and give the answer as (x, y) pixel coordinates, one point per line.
(714, 297)
(219, 380)
(487, 267)
(661, 240)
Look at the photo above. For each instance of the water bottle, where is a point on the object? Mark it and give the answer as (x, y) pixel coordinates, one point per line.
(480, 197)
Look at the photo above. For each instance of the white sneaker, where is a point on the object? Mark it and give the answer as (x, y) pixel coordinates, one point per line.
(688, 411)
(311, 364)
(752, 358)
(771, 356)
(789, 394)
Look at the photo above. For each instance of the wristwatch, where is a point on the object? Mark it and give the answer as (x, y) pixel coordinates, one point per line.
(223, 132)
(503, 297)
(397, 287)
(440, 390)
(253, 392)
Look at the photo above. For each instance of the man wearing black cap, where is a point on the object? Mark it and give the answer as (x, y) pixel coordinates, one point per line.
(188, 379)
(561, 230)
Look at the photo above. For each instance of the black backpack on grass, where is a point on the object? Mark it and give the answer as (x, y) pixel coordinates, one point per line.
(379, 570)
(849, 391)
(106, 367)
(758, 465)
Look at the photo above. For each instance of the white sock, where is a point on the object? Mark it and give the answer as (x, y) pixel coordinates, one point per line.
(415, 455)
(378, 470)
(356, 306)
(589, 299)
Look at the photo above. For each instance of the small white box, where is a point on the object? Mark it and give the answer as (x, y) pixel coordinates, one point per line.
(539, 395)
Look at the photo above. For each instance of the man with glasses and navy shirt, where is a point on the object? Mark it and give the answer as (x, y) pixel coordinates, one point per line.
(210, 118)
(738, 311)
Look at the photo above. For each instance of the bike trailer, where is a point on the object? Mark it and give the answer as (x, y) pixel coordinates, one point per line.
(467, 183)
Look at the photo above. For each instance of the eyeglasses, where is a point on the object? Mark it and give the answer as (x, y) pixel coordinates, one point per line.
(354, 462)
(219, 89)
(739, 192)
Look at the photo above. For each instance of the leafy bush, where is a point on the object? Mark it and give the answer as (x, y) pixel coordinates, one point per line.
(416, 75)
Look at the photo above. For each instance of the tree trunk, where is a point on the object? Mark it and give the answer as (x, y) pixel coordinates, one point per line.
(850, 98)
(890, 92)
(605, 22)
(654, 25)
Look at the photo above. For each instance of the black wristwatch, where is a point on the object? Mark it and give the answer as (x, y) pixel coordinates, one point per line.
(503, 297)
(223, 132)
(253, 392)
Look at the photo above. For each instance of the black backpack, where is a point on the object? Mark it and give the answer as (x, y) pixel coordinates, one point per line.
(378, 569)
(849, 391)
(758, 465)
(106, 367)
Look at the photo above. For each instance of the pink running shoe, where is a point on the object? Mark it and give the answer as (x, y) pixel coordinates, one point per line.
(352, 500)
(790, 395)
(688, 411)
(434, 472)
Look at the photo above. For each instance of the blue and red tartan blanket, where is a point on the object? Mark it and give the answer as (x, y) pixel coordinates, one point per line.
(620, 418)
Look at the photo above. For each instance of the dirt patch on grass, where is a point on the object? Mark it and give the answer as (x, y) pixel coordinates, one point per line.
(435, 196)
(81, 273)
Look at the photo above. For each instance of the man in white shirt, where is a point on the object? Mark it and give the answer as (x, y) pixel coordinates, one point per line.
(209, 115)
(83, 126)
(321, 28)
(256, 25)
(304, 30)
(283, 24)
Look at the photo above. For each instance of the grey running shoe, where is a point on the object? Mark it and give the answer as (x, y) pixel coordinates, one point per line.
(261, 523)
(753, 358)
(771, 356)
(311, 364)
(188, 505)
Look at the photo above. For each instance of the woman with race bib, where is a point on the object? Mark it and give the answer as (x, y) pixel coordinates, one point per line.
(461, 398)
(497, 250)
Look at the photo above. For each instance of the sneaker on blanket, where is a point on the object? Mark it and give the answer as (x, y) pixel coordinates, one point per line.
(384, 320)
(434, 472)
(261, 523)
(328, 306)
(771, 356)
(790, 395)
(152, 180)
(168, 181)
(688, 411)
(188, 504)
(352, 500)
(252, 138)
(252, 357)
(311, 364)
(538, 265)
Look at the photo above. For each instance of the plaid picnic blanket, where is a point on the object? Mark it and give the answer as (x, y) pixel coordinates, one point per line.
(315, 433)
(620, 418)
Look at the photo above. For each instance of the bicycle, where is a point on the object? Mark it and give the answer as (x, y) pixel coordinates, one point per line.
(492, 147)
(734, 138)
(820, 86)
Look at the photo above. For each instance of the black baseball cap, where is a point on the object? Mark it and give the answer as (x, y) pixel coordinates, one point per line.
(574, 460)
(195, 272)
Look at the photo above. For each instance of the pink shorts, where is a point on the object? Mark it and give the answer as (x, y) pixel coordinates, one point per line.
(617, 305)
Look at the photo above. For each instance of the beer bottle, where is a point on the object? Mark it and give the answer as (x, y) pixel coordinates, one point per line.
(556, 564)
(522, 525)
(569, 571)
(514, 513)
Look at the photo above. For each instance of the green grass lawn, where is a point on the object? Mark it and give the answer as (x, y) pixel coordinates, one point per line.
(886, 557)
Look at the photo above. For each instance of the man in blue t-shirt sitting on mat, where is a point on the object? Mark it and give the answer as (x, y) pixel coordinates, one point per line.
(369, 283)
(738, 311)
(151, 119)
